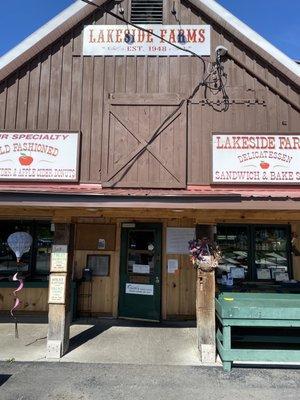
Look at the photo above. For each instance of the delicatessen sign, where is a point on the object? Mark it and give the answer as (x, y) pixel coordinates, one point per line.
(37, 156)
(256, 158)
(122, 40)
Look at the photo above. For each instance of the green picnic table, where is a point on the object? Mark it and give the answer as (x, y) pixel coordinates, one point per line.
(258, 310)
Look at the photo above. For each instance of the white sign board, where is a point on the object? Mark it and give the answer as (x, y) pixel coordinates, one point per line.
(35, 156)
(141, 269)
(59, 258)
(134, 288)
(256, 158)
(178, 240)
(122, 40)
(57, 289)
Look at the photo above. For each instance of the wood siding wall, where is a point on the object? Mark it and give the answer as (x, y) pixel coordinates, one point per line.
(178, 289)
(61, 90)
(32, 299)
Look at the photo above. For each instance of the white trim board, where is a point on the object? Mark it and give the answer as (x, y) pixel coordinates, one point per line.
(249, 33)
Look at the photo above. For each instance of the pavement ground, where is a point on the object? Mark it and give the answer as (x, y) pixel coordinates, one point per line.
(76, 381)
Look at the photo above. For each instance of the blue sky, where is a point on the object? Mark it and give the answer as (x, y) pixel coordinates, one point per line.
(276, 20)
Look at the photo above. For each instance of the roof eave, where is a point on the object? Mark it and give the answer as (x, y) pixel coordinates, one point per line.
(76, 12)
(44, 36)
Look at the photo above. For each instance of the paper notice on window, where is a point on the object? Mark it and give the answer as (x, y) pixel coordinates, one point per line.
(281, 276)
(263, 273)
(141, 269)
(237, 272)
(178, 240)
(172, 266)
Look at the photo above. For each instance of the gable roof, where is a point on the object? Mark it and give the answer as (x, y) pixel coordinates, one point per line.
(77, 11)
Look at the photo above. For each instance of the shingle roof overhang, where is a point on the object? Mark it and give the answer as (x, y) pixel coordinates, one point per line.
(210, 202)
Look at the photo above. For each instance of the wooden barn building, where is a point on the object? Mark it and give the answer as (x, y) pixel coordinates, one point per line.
(118, 144)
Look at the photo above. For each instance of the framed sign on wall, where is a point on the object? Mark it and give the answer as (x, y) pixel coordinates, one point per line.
(259, 158)
(39, 156)
(120, 40)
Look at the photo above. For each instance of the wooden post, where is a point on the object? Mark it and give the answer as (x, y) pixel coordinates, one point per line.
(59, 317)
(205, 307)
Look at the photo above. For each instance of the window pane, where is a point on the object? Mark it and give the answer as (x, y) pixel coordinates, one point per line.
(233, 242)
(141, 256)
(271, 259)
(99, 264)
(44, 241)
(8, 260)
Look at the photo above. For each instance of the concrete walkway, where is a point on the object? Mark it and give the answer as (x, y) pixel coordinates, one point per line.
(106, 341)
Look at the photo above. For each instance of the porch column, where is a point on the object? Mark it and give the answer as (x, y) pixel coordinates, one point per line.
(205, 306)
(59, 316)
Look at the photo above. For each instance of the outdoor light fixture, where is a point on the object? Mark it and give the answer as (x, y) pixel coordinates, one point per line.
(221, 51)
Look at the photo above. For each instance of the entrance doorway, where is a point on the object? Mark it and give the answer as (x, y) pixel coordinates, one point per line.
(140, 272)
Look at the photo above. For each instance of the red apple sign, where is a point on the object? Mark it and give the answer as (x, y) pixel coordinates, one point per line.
(25, 160)
(264, 165)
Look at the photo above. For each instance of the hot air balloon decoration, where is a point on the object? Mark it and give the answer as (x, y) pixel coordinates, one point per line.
(20, 243)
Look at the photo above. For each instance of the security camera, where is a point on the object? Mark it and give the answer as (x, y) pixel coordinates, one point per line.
(221, 50)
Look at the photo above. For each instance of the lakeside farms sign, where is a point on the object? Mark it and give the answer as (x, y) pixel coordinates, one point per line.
(38, 156)
(256, 158)
(121, 40)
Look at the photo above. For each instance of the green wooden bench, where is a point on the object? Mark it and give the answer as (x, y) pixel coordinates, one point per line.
(279, 310)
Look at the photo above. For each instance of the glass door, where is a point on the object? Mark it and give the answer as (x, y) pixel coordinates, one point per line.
(140, 272)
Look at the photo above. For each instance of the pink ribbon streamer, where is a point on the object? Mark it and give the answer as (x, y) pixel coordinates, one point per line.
(17, 300)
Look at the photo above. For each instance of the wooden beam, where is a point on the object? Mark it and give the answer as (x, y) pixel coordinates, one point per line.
(59, 317)
(205, 308)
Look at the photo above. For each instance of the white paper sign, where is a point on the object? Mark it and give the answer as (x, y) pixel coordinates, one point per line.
(134, 288)
(275, 270)
(172, 266)
(57, 289)
(101, 244)
(263, 273)
(59, 258)
(237, 272)
(281, 276)
(141, 269)
(256, 158)
(178, 240)
(122, 40)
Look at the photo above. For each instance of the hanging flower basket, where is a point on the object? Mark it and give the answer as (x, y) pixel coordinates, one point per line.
(204, 254)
